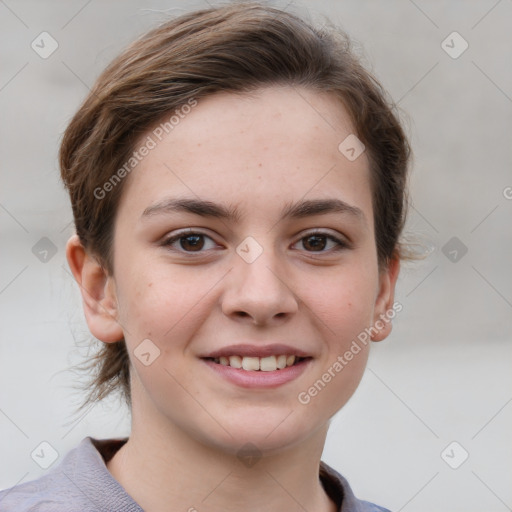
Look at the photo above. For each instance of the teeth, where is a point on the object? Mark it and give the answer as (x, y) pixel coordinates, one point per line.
(268, 364)
(264, 364)
(235, 361)
(251, 363)
(281, 362)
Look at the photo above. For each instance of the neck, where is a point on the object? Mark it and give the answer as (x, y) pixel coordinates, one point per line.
(167, 469)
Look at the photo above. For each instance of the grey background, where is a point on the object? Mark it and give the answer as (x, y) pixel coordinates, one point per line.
(444, 375)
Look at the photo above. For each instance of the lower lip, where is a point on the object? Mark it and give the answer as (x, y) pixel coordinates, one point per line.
(259, 379)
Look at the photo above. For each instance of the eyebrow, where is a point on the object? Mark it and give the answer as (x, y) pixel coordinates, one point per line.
(299, 210)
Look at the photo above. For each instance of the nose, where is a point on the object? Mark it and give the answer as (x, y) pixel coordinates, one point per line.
(259, 292)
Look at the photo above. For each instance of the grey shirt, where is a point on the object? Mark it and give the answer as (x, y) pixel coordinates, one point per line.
(82, 483)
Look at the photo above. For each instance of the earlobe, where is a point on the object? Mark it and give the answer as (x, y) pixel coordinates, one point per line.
(382, 321)
(98, 292)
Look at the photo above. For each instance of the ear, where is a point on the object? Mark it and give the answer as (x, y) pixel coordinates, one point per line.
(98, 292)
(385, 300)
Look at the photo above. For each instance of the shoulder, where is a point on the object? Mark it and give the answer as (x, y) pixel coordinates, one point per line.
(44, 494)
(341, 493)
(80, 483)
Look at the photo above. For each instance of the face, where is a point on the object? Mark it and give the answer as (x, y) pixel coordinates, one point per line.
(280, 261)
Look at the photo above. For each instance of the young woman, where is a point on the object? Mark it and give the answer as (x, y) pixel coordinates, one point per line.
(238, 186)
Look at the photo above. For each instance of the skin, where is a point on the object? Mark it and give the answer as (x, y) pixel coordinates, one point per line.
(258, 152)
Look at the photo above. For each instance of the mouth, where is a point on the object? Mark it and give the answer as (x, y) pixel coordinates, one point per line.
(270, 363)
(258, 365)
(262, 368)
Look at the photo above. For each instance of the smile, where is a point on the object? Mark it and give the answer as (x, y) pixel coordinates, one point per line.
(264, 364)
(258, 372)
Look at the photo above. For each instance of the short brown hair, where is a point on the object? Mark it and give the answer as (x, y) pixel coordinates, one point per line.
(236, 48)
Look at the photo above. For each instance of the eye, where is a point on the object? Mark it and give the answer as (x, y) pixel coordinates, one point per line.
(318, 241)
(189, 241)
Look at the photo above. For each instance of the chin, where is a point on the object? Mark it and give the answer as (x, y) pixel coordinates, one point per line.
(269, 432)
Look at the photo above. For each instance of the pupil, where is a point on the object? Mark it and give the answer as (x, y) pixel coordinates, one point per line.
(196, 242)
(316, 245)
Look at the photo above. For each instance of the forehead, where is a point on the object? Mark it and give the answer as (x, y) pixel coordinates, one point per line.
(276, 145)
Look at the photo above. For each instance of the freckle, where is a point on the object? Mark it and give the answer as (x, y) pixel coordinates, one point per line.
(150, 285)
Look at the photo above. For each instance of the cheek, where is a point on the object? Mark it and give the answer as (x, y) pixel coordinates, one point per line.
(334, 385)
(343, 304)
(165, 306)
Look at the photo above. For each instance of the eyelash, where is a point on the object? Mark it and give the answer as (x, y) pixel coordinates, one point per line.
(340, 244)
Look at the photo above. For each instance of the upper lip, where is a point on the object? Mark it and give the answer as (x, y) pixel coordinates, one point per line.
(246, 350)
